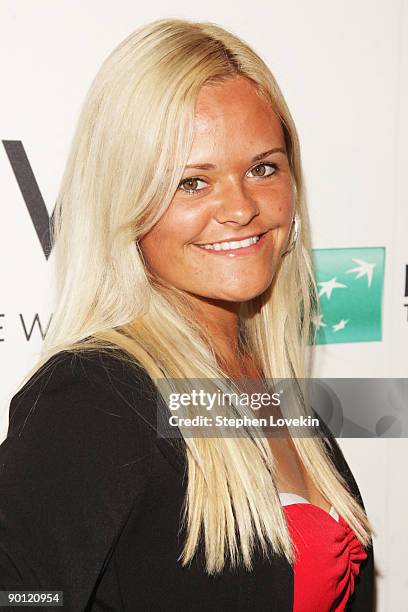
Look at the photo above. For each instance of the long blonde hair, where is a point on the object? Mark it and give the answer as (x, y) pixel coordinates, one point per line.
(127, 157)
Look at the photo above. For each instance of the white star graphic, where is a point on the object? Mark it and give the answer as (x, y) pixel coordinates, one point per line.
(364, 268)
(318, 321)
(340, 325)
(328, 286)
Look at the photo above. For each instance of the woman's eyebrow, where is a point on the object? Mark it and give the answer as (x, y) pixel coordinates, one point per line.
(203, 166)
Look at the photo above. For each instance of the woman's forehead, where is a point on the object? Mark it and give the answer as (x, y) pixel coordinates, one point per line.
(234, 94)
(231, 116)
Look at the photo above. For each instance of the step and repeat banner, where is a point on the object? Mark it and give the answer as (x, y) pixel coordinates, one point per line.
(343, 68)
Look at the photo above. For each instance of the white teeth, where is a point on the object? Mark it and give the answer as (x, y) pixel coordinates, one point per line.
(226, 246)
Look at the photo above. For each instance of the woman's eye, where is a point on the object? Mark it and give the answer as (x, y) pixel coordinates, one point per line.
(264, 170)
(195, 184)
(191, 185)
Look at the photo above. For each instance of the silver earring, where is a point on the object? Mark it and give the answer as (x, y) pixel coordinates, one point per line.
(296, 233)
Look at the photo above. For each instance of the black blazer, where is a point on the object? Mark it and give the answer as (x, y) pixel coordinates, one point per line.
(90, 502)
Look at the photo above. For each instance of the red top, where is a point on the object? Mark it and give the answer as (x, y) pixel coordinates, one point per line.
(328, 558)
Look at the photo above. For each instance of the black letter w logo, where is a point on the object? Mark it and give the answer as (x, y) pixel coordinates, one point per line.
(30, 192)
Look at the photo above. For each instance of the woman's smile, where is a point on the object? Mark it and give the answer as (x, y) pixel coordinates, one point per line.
(234, 248)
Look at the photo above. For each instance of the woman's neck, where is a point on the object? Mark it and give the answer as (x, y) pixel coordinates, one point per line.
(219, 321)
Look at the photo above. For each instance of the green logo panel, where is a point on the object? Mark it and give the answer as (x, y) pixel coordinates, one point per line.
(350, 283)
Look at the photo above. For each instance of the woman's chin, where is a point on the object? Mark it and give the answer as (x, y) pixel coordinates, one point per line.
(239, 295)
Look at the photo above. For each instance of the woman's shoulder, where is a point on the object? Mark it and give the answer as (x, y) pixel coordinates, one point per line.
(79, 413)
(83, 386)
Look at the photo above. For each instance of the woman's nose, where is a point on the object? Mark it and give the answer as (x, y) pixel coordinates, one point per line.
(236, 204)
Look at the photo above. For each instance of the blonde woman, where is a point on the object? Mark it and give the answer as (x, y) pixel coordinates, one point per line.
(184, 144)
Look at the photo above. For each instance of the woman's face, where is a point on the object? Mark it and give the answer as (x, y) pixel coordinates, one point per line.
(237, 185)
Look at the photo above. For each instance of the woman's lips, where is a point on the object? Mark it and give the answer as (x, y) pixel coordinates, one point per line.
(248, 250)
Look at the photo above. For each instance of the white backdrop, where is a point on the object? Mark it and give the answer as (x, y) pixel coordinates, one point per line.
(343, 68)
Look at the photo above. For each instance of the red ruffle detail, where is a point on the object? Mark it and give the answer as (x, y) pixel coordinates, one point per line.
(328, 559)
